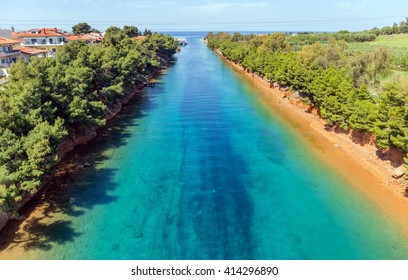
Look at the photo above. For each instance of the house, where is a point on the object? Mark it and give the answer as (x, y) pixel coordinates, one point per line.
(140, 38)
(7, 54)
(27, 53)
(48, 39)
(91, 38)
(5, 33)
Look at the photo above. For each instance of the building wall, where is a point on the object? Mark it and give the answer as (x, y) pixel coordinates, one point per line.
(5, 62)
(5, 49)
(43, 41)
(7, 56)
(25, 57)
(5, 33)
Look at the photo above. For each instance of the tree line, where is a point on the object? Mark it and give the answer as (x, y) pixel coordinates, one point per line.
(401, 28)
(50, 98)
(131, 31)
(337, 82)
(306, 38)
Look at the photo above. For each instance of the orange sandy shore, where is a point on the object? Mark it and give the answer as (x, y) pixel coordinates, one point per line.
(357, 163)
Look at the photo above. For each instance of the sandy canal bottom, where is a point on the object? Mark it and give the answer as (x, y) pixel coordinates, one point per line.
(202, 168)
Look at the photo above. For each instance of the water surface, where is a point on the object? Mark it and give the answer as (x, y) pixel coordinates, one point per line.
(199, 168)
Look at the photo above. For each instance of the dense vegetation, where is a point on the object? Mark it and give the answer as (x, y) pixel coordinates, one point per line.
(52, 97)
(401, 28)
(306, 38)
(83, 28)
(343, 85)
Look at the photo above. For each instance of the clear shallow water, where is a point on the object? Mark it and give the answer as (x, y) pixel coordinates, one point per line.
(201, 169)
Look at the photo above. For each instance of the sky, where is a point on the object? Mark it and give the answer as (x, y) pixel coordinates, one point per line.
(206, 15)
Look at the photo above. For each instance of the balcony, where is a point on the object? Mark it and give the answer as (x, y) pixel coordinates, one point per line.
(10, 54)
(42, 44)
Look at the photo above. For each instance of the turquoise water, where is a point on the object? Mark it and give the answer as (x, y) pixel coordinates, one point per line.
(199, 168)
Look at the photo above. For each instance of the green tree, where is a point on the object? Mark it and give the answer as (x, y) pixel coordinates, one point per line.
(376, 31)
(386, 30)
(395, 28)
(275, 42)
(81, 28)
(403, 27)
(390, 127)
(131, 31)
(76, 89)
(147, 32)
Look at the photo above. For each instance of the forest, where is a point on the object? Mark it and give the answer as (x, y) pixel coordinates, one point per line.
(51, 98)
(347, 84)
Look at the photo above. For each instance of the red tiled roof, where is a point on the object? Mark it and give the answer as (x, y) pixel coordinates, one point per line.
(139, 37)
(7, 41)
(85, 37)
(75, 38)
(29, 51)
(46, 30)
(41, 32)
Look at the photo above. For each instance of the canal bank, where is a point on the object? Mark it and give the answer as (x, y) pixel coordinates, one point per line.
(359, 162)
(202, 168)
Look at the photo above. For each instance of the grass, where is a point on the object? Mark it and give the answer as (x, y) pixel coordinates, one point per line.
(398, 40)
(398, 46)
(395, 75)
(397, 43)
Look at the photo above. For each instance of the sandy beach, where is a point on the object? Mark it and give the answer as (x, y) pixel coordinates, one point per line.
(359, 164)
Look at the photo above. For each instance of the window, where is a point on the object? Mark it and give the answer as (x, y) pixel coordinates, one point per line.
(33, 41)
(51, 41)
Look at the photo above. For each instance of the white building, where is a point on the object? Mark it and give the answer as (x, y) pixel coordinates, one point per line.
(7, 54)
(91, 38)
(27, 53)
(43, 38)
(5, 33)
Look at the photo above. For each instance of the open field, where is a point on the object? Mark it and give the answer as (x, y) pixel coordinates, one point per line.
(398, 45)
(397, 40)
(394, 75)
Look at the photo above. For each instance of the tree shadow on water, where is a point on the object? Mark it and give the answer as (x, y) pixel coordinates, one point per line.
(41, 236)
(49, 216)
(74, 189)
